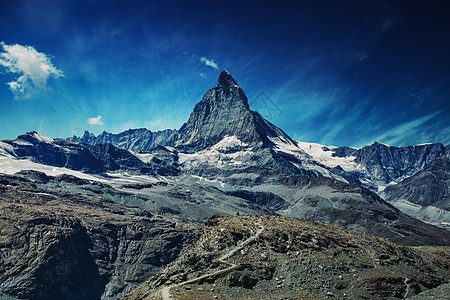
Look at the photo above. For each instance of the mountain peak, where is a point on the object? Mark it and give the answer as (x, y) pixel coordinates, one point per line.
(226, 79)
(224, 111)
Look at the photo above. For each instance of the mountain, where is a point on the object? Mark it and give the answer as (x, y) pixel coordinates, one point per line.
(66, 246)
(425, 195)
(377, 165)
(99, 158)
(417, 175)
(224, 111)
(273, 257)
(132, 139)
(228, 144)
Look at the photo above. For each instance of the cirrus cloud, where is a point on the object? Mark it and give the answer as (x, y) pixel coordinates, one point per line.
(95, 121)
(33, 69)
(209, 62)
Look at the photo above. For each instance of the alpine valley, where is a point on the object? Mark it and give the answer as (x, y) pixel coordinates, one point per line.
(144, 214)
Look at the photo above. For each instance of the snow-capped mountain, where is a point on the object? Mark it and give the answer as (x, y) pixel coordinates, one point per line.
(132, 139)
(413, 178)
(100, 158)
(224, 111)
(377, 165)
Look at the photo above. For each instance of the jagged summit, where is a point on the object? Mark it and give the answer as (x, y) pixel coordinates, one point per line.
(225, 79)
(224, 111)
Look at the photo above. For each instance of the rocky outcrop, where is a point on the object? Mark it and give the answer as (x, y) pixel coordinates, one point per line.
(269, 200)
(132, 139)
(60, 246)
(272, 257)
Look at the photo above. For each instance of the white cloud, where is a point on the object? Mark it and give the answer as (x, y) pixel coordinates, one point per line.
(210, 63)
(202, 75)
(33, 68)
(95, 121)
(409, 128)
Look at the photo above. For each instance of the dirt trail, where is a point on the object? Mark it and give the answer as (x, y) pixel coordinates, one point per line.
(165, 291)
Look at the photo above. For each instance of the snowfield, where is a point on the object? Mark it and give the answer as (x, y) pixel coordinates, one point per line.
(322, 154)
(221, 154)
(11, 165)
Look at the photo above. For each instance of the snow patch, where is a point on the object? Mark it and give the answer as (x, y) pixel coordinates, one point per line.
(306, 160)
(10, 165)
(321, 154)
(383, 144)
(22, 142)
(217, 154)
(280, 145)
(144, 157)
(6, 149)
(228, 142)
(200, 179)
(129, 178)
(43, 138)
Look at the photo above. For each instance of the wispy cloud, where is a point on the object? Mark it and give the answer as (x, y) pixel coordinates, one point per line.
(404, 129)
(95, 121)
(33, 68)
(209, 62)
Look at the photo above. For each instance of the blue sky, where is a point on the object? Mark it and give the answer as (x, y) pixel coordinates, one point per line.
(343, 73)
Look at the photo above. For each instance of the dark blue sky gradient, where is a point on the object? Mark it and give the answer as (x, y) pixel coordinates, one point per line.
(340, 72)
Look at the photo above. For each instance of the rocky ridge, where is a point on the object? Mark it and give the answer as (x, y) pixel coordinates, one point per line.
(132, 139)
(388, 163)
(272, 257)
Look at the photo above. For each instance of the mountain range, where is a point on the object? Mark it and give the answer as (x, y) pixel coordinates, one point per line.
(225, 160)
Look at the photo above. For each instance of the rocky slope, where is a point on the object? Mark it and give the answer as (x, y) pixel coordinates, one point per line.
(63, 246)
(188, 201)
(132, 139)
(272, 257)
(355, 207)
(425, 195)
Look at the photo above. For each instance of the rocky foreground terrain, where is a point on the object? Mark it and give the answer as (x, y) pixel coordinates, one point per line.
(273, 257)
(65, 246)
